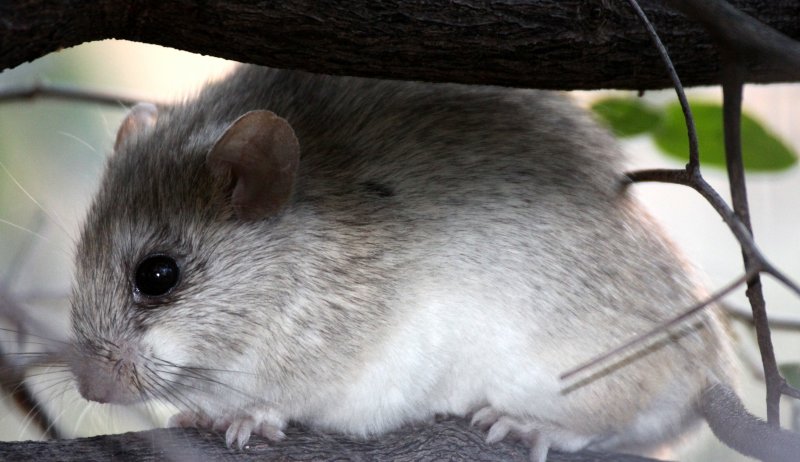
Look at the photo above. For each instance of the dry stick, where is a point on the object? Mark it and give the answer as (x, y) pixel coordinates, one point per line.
(739, 230)
(746, 39)
(12, 380)
(12, 377)
(694, 153)
(776, 321)
(26, 401)
(765, 37)
(68, 93)
(639, 339)
(732, 78)
(738, 221)
(789, 390)
(690, 176)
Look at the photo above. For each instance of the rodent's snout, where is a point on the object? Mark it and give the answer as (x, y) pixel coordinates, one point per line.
(92, 385)
(109, 379)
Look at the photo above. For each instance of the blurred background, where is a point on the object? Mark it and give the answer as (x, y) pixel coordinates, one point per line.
(52, 153)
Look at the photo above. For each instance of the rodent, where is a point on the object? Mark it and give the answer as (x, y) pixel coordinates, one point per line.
(356, 254)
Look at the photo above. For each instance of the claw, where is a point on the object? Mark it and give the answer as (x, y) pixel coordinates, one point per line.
(270, 432)
(485, 418)
(237, 426)
(498, 430)
(500, 426)
(239, 431)
(539, 448)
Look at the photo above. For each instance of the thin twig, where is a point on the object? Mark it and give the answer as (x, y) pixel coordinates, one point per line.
(21, 253)
(737, 227)
(68, 93)
(732, 81)
(738, 219)
(694, 154)
(785, 322)
(777, 274)
(789, 390)
(12, 376)
(639, 339)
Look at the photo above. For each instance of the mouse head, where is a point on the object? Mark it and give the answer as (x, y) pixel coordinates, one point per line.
(155, 299)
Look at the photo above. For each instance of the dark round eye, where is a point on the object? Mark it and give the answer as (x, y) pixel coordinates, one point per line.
(156, 275)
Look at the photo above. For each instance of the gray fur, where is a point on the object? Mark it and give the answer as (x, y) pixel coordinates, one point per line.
(414, 205)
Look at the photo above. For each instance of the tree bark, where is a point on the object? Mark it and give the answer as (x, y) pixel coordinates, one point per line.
(537, 43)
(450, 439)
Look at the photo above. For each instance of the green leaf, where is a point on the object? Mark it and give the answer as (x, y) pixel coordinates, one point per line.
(761, 150)
(791, 372)
(626, 116)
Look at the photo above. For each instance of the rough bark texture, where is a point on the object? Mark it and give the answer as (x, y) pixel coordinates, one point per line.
(449, 439)
(569, 44)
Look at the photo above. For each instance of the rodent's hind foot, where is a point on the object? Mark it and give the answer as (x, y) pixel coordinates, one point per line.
(499, 426)
(239, 426)
(485, 417)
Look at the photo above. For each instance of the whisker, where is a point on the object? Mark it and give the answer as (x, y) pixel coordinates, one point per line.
(200, 378)
(210, 369)
(49, 339)
(41, 207)
(78, 139)
(44, 385)
(87, 406)
(152, 413)
(24, 229)
(184, 385)
(254, 399)
(38, 386)
(21, 254)
(200, 368)
(28, 342)
(35, 417)
(172, 391)
(106, 125)
(37, 414)
(172, 396)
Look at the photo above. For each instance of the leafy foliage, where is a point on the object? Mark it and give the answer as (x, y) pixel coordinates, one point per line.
(762, 151)
(791, 372)
(627, 116)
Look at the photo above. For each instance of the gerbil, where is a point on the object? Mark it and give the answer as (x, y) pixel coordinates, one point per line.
(371, 253)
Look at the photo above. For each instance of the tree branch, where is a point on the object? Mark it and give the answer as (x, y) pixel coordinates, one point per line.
(742, 35)
(451, 439)
(70, 93)
(538, 43)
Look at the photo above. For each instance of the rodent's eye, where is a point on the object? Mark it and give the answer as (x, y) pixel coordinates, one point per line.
(156, 275)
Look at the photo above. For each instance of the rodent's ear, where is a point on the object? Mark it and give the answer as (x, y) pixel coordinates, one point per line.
(261, 152)
(140, 118)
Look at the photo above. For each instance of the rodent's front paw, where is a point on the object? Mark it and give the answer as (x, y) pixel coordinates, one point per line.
(239, 426)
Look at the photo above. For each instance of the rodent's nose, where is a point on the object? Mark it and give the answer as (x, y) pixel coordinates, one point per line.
(93, 393)
(93, 384)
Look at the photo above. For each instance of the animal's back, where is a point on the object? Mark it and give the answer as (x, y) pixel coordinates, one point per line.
(495, 222)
